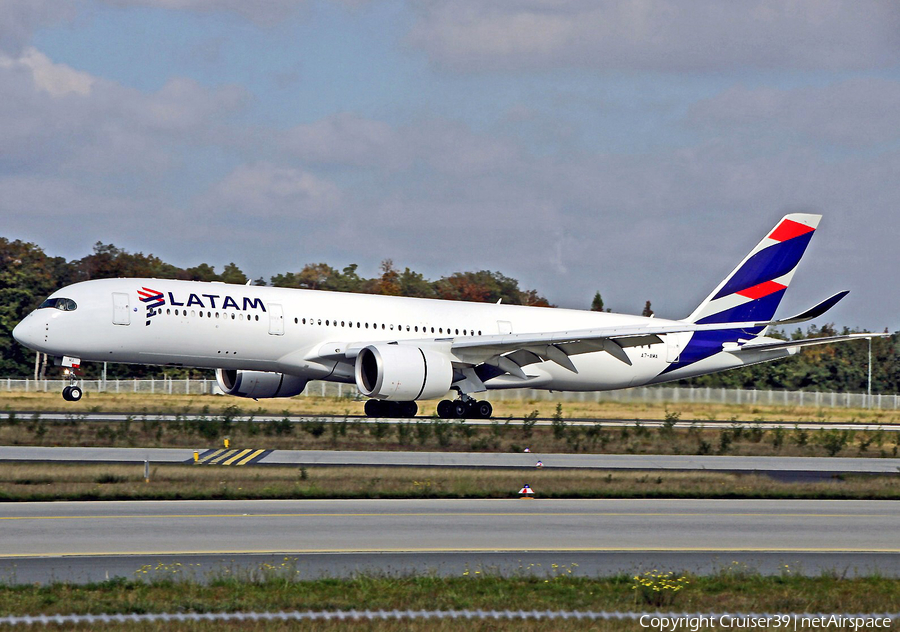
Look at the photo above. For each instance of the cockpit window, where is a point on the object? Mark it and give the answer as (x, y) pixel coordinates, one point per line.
(64, 304)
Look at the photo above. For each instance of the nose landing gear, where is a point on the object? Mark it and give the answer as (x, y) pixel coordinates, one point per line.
(72, 393)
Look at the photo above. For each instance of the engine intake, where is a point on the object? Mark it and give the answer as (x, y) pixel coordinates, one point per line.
(259, 384)
(402, 373)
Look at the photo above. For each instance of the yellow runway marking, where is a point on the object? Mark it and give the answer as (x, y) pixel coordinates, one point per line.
(489, 549)
(240, 454)
(208, 458)
(250, 458)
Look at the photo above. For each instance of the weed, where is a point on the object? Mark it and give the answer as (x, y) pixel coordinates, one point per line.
(777, 437)
(669, 420)
(404, 433)
(834, 441)
(725, 439)
(423, 432)
(800, 436)
(442, 432)
(379, 429)
(756, 433)
(528, 423)
(108, 478)
(558, 423)
(656, 588)
(315, 427)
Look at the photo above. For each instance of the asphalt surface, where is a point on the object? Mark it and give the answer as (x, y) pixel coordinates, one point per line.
(824, 466)
(88, 541)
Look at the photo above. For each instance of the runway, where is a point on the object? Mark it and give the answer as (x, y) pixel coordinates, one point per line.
(78, 541)
(822, 466)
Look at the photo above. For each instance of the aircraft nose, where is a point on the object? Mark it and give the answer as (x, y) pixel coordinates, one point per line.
(27, 332)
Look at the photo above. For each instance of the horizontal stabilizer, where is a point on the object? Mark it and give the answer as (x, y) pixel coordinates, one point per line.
(806, 342)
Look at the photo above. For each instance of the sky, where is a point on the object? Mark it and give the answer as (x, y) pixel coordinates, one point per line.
(636, 148)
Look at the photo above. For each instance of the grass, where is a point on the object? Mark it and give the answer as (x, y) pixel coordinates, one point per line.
(38, 482)
(733, 589)
(140, 403)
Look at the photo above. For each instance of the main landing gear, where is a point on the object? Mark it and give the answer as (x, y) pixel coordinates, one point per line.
(380, 408)
(464, 409)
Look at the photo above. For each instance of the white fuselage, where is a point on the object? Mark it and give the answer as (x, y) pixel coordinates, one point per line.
(300, 332)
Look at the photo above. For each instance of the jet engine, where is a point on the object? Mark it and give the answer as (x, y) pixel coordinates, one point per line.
(259, 384)
(402, 373)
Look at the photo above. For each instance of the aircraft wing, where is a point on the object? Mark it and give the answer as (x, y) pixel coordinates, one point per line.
(510, 352)
(557, 346)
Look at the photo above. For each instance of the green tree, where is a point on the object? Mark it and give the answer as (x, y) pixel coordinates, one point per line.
(233, 274)
(597, 303)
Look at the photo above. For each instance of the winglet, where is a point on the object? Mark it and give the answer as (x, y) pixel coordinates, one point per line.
(815, 311)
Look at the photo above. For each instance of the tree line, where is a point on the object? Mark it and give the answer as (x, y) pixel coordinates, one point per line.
(28, 275)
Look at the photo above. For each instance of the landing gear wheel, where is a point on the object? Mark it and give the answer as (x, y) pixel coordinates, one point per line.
(484, 410)
(445, 409)
(460, 409)
(408, 409)
(72, 393)
(375, 408)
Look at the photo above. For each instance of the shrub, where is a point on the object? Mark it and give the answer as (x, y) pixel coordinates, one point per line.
(834, 441)
(528, 423)
(669, 420)
(559, 424)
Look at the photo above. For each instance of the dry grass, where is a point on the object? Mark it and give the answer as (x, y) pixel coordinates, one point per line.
(174, 404)
(34, 482)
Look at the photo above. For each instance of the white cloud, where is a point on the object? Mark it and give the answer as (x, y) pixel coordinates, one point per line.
(268, 191)
(55, 79)
(53, 117)
(658, 35)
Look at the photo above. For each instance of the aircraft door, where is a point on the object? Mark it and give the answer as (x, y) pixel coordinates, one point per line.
(504, 327)
(121, 309)
(276, 319)
(673, 347)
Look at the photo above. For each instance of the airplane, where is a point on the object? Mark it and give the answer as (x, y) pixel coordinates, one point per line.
(270, 342)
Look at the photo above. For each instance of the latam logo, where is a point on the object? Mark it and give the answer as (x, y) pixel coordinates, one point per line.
(154, 300)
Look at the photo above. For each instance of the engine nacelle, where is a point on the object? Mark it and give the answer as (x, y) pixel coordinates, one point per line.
(259, 384)
(402, 373)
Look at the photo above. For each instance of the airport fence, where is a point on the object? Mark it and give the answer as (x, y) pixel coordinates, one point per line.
(646, 394)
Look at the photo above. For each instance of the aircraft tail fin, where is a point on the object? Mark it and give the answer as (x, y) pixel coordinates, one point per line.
(756, 286)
